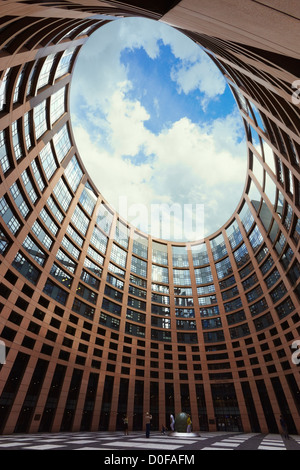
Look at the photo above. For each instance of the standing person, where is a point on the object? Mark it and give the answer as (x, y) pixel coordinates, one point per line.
(148, 423)
(189, 424)
(125, 421)
(284, 427)
(172, 423)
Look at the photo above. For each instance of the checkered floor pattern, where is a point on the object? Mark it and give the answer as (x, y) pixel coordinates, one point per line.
(136, 441)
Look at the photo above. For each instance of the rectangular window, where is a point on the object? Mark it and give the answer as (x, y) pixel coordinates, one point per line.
(203, 275)
(45, 71)
(135, 330)
(115, 282)
(122, 234)
(70, 247)
(254, 294)
(49, 222)
(113, 293)
(62, 195)
(159, 253)
(180, 257)
(4, 241)
(99, 240)
(19, 200)
(246, 218)
(89, 279)
(223, 268)
(95, 255)
(114, 269)
(18, 84)
(27, 130)
(61, 276)
(233, 305)
(139, 266)
(8, 217)
(73, 174)
(241, 256)
(48, 161)
(42, 235)
(111, 306)
(234, 234)
(34, 250)
(185, 312)
(109, 321)
(160, 299)
(16, 141)
(135, 303)
(211, 323)
(93, 267)
(66, 261)
(37, 175)
(86, 293)
(80, 220)
(209, 311)
(200, 256)
(25, 268)
(256, 239)
(135, 316)
(55, 292)
(264, 321)
(278, 292)
(118, 256)
(40, 119)
(104, 218)
(4, 161)
(75, 236)
(62, 143)
(285, 308)
(29, 186)
(3, 89)
(239, 331)
(57, 106)
(64, 63)
(55, 210)
(160, 274)
(140, 247)
(218, 247)
(88, 199)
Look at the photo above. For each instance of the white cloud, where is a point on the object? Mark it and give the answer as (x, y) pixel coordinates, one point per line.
(188, 167)
(103, 50)
(202, 75)
(186, 163)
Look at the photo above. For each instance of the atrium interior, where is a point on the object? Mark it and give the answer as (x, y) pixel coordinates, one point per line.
(98, 319)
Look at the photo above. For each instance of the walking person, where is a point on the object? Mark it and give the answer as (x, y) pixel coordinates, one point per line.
(148, 423)
(172, 423)
(125, 421)
(284, 427)
(189, 424)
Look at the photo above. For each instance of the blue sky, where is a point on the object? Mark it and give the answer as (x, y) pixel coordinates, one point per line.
(155, 123)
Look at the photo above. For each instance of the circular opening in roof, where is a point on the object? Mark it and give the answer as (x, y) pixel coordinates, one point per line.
(158, 129)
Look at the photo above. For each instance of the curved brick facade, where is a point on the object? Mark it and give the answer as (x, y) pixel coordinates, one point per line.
(99, 320)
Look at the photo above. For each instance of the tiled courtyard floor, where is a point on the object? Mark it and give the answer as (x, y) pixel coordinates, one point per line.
(157, 443)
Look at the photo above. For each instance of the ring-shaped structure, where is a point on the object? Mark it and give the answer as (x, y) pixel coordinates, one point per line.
(98, 319)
